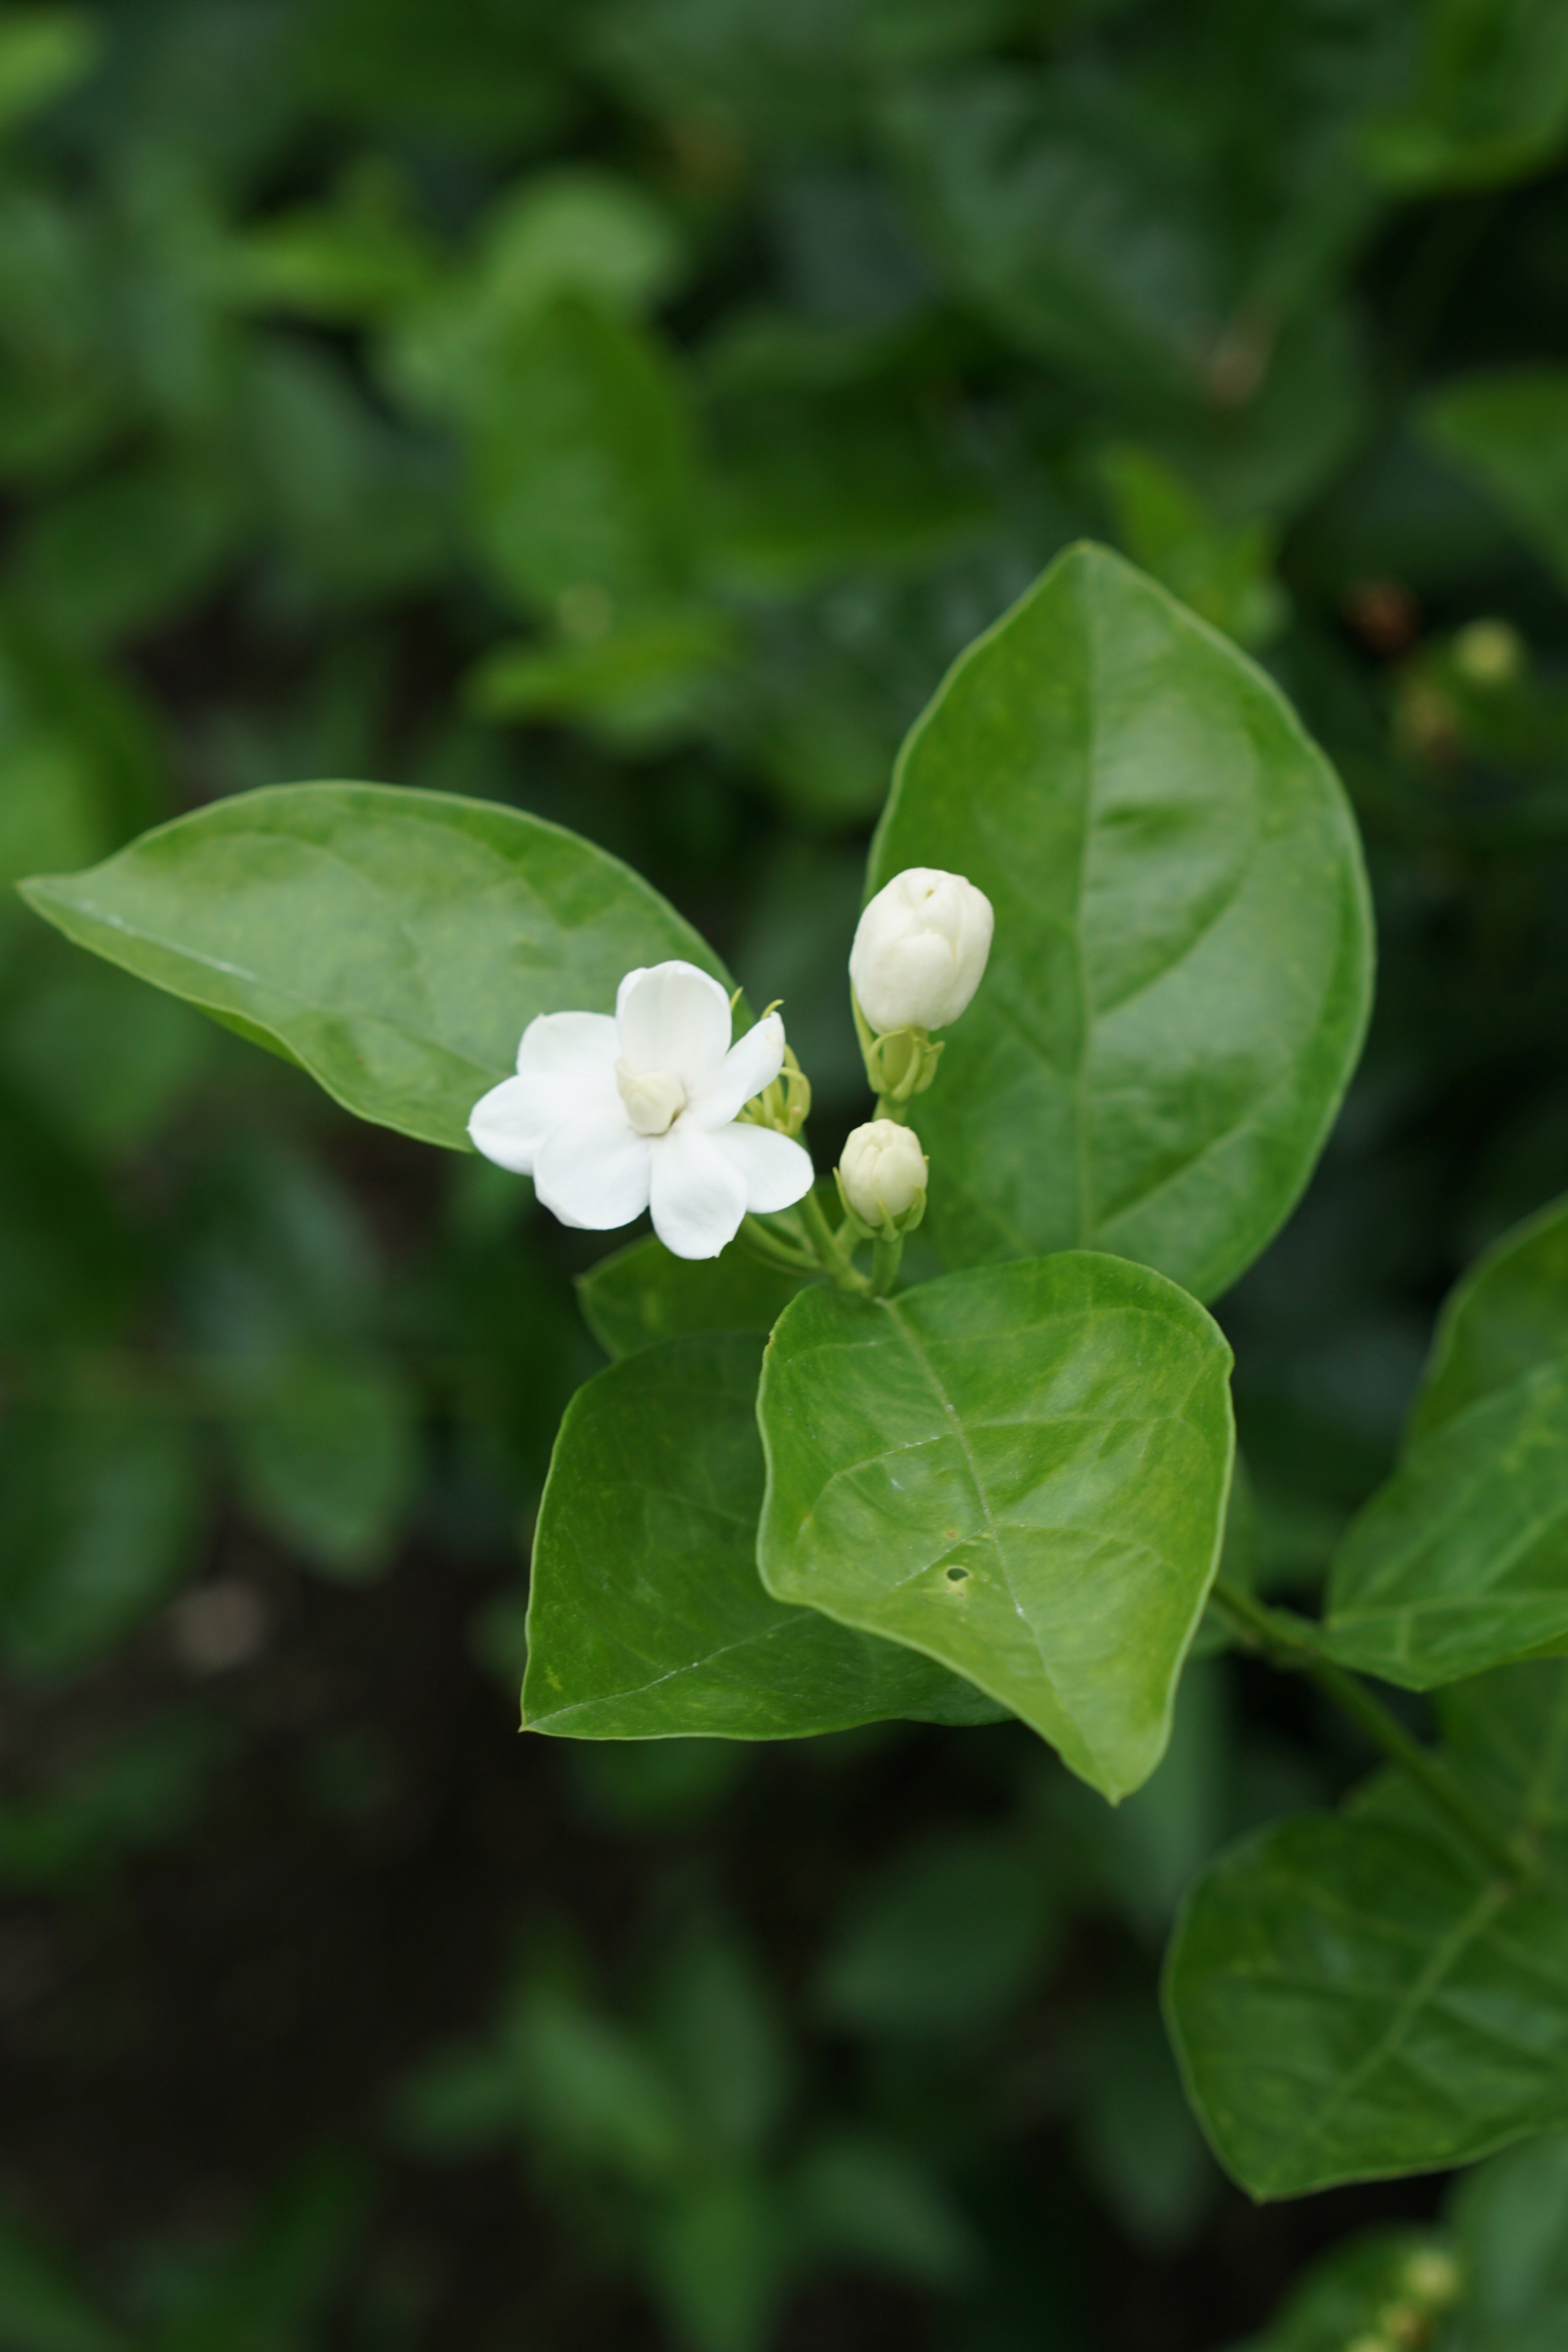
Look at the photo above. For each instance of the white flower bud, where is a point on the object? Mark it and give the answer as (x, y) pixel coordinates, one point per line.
(919, 949)
(883, 1172)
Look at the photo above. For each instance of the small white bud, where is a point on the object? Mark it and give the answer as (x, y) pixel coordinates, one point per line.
(919, 949)
(883, 1172)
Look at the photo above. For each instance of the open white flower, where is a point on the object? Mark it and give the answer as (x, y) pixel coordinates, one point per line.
(613, 1116)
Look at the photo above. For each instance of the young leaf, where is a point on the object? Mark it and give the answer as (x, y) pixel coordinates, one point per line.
(1360, 1994)
(1460, 1561)
(646, 1618)
(1021, 1471)
(1182, 966)
(1507, 1316)
(643, 1294)
(394, 943)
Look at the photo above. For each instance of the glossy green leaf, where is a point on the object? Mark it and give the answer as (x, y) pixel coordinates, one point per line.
(646, 1618)
(1021, 1471)
(1460, 1561)
(1182, 966)
(1360, 1994)
(643, 1294)
(394, 943)
(1509, 432)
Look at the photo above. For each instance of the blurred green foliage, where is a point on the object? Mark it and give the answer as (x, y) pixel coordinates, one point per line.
(625, 411)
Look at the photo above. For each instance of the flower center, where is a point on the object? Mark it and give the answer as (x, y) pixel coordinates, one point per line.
(654, 1098)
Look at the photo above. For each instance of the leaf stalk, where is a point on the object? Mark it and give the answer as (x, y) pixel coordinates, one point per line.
(1291, 1642)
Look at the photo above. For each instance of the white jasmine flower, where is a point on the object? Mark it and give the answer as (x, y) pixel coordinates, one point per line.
(611, 1117)
(884, 1172)
(919, 949)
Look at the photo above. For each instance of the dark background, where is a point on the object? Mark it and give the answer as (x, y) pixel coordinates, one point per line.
(628, 411)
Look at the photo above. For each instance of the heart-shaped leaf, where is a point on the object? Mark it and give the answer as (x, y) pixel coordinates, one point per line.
(1360, 1994)
(1182, 965)
(646, 1616)
(1460, 1561)
(1021, 1471)
(396, 944)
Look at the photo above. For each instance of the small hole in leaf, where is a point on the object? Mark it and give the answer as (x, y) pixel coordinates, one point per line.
(956, 1575)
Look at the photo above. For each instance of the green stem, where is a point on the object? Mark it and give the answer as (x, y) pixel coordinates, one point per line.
(885, 1256)
(777, 1249)
(832, 1255)
(1291, 1642)
(888, 1107)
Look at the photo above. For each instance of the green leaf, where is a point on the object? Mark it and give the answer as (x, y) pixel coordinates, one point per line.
(636, 687)
(327, 1456)
(946, 1938)
(1020, 1471)
(1508, 1317)
(43, 51)
(1225, 575)
(1509, 432)
(1491, 101)
(646, 1617)
(97, 1514)
(1179, 979)
(1511, 2221)
(583, 475)
(275, 2284)
(1460, 1561)
(1357, 1995)
(396, 944)
(41, 2308)
(643, 1294)
(572, 232)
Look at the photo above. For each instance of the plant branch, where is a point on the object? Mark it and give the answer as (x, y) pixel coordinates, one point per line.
(830, 1251)
(1291, 1642)
(777, 1249)
(885, 1256)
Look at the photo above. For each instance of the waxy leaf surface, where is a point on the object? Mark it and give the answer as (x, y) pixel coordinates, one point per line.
(1362, 1994)
(396, 944)
(644, 1294)
(1460, 1561)
(1021, 1471)
(646, 1618)
(1181, 967)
